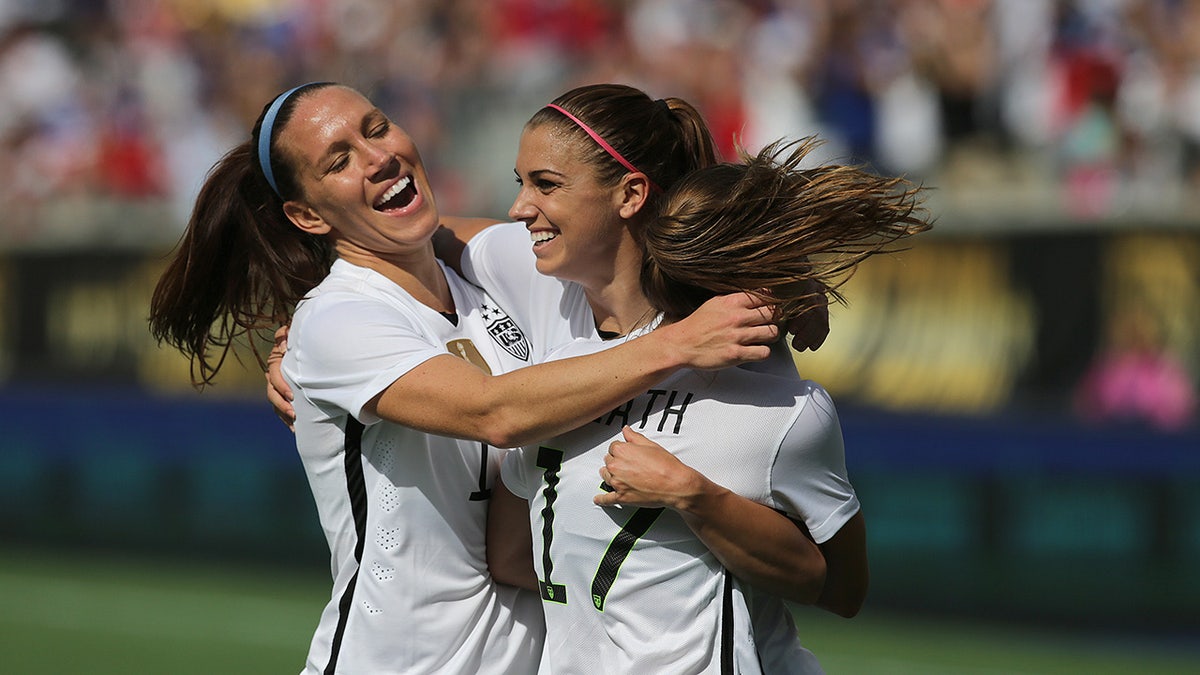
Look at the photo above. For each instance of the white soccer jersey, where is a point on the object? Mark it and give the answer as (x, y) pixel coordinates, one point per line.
(403, 511)
(551, 311)
(633, 590)
(814, 483)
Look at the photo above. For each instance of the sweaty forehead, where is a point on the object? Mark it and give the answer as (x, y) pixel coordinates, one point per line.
(551, 146)
(320, 118)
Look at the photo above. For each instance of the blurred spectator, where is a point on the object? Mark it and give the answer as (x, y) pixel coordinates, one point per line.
(1135, 378)
(135, 99)
(127, 158)
(46, 128)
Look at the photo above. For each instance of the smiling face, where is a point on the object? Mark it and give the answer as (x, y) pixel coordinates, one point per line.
(578, 226)
(361, 178)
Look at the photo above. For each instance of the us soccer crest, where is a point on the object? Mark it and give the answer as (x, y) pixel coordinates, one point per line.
(505, 331)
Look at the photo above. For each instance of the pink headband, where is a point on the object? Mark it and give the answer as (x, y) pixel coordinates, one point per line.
(604, 144)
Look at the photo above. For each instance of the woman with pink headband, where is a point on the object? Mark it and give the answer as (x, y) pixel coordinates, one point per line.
(395, 360)
(679, 571)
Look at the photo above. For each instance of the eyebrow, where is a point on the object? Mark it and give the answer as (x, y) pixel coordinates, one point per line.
(368, 119)
(541, 172)
(372, 116)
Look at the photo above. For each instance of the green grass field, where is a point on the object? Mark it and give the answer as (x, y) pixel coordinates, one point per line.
(99, 615)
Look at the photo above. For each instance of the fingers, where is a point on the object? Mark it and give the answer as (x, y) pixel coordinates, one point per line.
(751, 353)
(810, 329)
(610, 496)
(762, 306)
(279, 394)
(606, 499)
(748, 304)
(753, 337)
(764, 315)
(809, 335)
(613, 491)
(754, 312)
(760, 298)
(764, 334)
(283, 409)
(756, 317)
(277, 387)
(275, 379)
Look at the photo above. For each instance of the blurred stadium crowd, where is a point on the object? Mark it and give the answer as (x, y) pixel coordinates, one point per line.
(132, 100)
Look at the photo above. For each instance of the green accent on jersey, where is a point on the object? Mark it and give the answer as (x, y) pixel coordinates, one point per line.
(550, 460)
(618, 550)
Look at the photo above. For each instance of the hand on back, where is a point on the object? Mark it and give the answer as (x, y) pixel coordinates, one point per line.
(725, 331)
(279, 394)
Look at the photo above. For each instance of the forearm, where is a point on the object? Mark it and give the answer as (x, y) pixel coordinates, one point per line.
(449, 397)
(848, 578)
(756, 543)
(558, 396)
(753, 541)
(509, 541)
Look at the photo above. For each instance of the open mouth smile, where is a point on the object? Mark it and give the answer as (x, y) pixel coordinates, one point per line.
(398, 196)
(542, 236)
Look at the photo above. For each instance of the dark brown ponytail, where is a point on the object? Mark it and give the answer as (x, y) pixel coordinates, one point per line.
(665, 138)
(241, 265)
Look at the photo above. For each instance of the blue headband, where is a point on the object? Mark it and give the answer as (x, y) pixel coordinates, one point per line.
(264, 135)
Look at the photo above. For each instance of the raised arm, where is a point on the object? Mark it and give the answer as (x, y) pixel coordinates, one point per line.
(448, 396)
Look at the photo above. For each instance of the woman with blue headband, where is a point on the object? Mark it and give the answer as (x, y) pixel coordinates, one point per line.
(627, 224)
(394, 360)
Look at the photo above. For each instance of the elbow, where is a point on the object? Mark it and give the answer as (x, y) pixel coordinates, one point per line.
(504, 426)
(487, 422)
(847, 609)
(512, 572)
(507, 417)
(498, 431)
(846, 604)
(500, 575)
(499, 558)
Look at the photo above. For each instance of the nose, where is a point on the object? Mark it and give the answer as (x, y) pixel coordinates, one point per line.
(522, 208)
(378, 159)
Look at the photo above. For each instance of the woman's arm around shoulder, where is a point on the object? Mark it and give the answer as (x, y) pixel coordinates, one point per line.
(451, 238)
(448, 396)
(509, 539)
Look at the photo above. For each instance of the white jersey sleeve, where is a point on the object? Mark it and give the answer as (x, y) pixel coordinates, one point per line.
(514, 475)
(345, 360)
(809, 477)
(500, 259)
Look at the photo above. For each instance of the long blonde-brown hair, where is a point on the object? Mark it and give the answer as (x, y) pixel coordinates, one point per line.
(767, 224)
